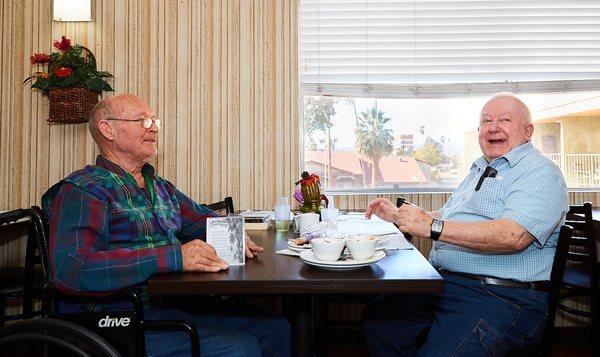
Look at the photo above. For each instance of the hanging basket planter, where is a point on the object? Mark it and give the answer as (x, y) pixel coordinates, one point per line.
(71, 81)
(71, 105)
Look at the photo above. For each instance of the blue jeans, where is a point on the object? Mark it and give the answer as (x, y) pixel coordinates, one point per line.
(250, 334)
(468, 319)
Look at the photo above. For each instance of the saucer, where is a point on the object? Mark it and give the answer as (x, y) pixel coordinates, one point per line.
(308, 257)
(298, 248)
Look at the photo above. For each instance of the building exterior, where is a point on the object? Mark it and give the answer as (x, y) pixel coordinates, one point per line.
(349, 170)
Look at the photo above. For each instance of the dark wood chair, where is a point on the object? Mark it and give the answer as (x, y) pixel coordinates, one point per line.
(545, 346)
(224, 207)
(22, 282)
(128, 339)
(582, 271)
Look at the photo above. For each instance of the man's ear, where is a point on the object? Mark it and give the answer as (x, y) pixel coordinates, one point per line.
(107, 131)
(529, 130)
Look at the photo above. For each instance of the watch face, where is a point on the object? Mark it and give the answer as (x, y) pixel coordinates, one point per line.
(436, 226)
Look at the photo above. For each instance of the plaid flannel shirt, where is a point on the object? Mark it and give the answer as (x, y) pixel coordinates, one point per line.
(107, 234)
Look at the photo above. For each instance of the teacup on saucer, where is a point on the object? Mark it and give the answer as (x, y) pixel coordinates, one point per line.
(361, 247)
(327, 249)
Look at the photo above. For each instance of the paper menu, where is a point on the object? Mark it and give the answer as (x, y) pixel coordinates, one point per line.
(226, 235)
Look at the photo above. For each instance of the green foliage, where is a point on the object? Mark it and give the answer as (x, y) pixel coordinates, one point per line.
(431, 152)
(72, 66)
(318, 112)
(373, 139)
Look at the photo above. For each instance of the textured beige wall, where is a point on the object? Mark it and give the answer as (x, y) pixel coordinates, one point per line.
(582, 135)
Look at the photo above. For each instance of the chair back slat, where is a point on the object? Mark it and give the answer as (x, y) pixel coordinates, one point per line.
(222, 207)
(582, 245)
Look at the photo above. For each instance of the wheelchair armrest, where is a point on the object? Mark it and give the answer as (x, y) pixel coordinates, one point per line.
(175, 325)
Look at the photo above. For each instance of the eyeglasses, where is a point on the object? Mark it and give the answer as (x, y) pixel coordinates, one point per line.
(145, 122)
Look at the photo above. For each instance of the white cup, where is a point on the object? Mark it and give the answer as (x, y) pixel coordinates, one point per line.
(306, 220)
(361, 247)
(330, 214)
(282, 212)
(328, 250)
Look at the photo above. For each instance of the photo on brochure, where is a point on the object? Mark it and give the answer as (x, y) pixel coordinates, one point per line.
(226, 235)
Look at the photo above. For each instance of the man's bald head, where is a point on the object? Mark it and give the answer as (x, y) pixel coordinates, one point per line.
(108, 108)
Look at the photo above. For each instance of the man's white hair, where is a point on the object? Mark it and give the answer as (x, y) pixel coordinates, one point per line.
(524, 108)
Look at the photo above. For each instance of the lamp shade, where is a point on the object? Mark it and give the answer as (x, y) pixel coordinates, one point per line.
(72, 10)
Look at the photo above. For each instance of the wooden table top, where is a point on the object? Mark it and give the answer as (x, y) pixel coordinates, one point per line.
(402, 271)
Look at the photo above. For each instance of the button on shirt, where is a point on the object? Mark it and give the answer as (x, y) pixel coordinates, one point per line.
(528, 189)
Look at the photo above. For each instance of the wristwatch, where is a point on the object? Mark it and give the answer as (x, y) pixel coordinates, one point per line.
(436, 229)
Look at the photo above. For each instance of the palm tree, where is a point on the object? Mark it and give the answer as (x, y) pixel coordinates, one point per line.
(374, 140)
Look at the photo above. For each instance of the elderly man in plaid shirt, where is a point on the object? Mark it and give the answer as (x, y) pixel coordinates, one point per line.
(116, 223)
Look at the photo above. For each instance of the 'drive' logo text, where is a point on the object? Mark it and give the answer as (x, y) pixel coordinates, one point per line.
(114, 321)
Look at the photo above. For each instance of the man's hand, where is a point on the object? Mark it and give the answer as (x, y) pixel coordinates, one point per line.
(409, 218)
(382, 208)
(200, 256)
(252, 249)
(414, 220)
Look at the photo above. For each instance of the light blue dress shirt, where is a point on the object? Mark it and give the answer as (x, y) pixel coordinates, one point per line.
(528, 189)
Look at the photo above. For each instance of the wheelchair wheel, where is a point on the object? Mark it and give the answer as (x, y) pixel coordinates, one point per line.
(52, 337)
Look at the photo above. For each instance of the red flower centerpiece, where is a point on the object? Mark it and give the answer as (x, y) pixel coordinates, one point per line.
(310, 187)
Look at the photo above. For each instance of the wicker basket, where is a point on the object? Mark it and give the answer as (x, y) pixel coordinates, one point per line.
(71, 105)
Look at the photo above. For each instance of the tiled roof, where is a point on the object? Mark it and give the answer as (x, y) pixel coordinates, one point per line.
(393, 168)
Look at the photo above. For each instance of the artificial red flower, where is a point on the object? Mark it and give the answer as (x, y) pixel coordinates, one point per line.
(63, 72)
(309, 179)
(64, 44)
(39, 58)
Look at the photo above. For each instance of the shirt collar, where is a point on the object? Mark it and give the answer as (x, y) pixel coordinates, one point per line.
(512, 157)
(105, 163)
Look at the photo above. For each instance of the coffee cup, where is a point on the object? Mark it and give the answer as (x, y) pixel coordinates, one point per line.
(361, 247)
(330, 214)
(306, 220)
(326, 249)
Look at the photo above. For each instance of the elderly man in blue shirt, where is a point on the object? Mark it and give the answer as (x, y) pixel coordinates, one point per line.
(494, 243)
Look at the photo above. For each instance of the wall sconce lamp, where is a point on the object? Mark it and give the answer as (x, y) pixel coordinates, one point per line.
(72, 10)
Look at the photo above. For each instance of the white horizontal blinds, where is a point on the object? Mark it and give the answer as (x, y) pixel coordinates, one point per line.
(449, 46)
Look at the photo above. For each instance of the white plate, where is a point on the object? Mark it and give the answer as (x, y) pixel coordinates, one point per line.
(308, 257)
(298, 248)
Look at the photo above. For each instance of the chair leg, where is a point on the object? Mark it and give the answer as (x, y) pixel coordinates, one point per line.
(595, 317)
(2, 311)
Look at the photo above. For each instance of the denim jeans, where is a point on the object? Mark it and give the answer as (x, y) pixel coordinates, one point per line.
(469, 318)
(250, 334)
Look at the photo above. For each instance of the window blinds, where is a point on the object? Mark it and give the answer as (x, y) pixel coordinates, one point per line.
(445, 48)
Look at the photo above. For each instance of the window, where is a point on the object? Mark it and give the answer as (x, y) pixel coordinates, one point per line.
(392, 89)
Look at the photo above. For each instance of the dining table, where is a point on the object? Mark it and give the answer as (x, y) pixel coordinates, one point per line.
(402, 271)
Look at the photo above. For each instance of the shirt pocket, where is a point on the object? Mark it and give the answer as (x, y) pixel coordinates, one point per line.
(488, 202)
